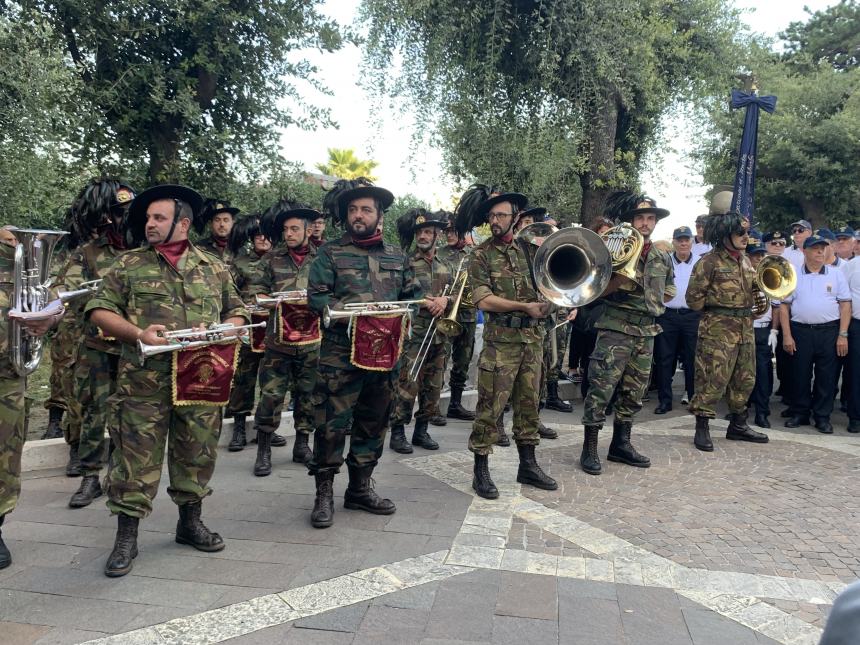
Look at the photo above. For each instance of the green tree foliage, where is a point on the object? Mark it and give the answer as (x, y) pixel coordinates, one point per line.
(343, 163)
(829, 37)
(554, 98)
(402, 203)
(188, 88)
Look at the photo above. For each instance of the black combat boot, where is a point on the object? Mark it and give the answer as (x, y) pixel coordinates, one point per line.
(553, 402)
(191, 530)
(702, 440)
(398, 441)
(530, 472)
(263, 464)
(589, 459)
(301, 451)
(421, 438)
(54, 431)
(238, 440)
(73, 468)
(455, 407)
(482, 482)
(360, 495)
(503, 440)
(438, 420)
(278, 440)
(738, 429)
(5, 556)
(621, 450)
(323, 514)
(121, 559)
(546, 432)
(89, 490)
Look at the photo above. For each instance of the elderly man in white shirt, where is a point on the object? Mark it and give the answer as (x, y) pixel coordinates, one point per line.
(800, 230)
(700, 247)
(851, 271)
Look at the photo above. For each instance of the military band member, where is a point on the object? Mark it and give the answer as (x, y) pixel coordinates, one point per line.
(292, 335)
(721, 288)
(624, 348)
(766, 330)
(435, 276)
(510, 362)
(175, 399)
(359, 356)
(318, 231)
(220, 217)
(462, 346)
(101, 208)
(12, 387)
(247, 246)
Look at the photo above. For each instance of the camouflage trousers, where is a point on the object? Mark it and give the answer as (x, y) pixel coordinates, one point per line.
(427, 387)
(507, 371)
(143, 420)
(550, 368)
(11, 441)
(64, 351)
(244, 383)
(282, 373)
(462, 348)
(621, 361)
(722, 369)
(95, 378)
(347, 395)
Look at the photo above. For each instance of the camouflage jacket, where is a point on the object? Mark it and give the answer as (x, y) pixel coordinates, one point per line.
(7, 282)
(209, 245)
(467, 312)
(277, 271)
(433, 276)
(89, 262)
(633, 313)
(142, 287)
(345, 273)
(720, 284)
(500, 269)
(244, 269)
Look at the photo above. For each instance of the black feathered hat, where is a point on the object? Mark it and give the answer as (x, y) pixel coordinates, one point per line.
(137, 210)
(336, 200)
(538, 213)
(91, 209)
(418, 218)
(623, 206)
(243, 232)
(211, 207)
(272, 223)
(471, 210)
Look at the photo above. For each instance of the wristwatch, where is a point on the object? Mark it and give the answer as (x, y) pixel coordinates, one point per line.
(844, 334)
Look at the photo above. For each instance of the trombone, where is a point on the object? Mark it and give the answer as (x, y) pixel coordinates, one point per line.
(297, 297)
(448, 325)
(181, 339)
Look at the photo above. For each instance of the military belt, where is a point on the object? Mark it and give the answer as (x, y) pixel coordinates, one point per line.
(742, 312)
(514, 322)
(628, 316)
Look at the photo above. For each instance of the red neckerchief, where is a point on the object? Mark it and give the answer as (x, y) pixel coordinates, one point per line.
(367, 242)
(260, 253)
(317, 242)
(646, 249)
(221, 244)
(460, 245)
(507, 238)
(116, 240)
(299, 254)
(172, 251)
(734, 253)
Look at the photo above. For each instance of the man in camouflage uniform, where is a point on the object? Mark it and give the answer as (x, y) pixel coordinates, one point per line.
(721, 288)
(167, 284)
(359, 267)
(625, 340)
(12, 388)
(288, 365)
(219, 216)
(101, 209)
(247, 246)
(434, 276)
(317, 236)
(462, 346)
(510, 362)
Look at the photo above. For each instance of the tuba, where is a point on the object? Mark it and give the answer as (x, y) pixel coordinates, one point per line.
(572, 266)
(625, 245)
(775, 279)
(32, 277)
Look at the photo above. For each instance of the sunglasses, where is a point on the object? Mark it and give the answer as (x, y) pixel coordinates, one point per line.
(798, 229)
(777, 243)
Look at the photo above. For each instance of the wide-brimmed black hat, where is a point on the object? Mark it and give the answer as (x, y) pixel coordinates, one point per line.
(124, 196)
(536, 212)
(211, 207)
(383, 196)
(137, 210)
(518, 200)
(272, 222)
(659, 212)
(417, 218)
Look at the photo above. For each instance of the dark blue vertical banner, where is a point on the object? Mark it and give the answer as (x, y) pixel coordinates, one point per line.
(743, 200)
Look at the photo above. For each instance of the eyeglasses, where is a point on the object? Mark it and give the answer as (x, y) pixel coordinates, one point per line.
(797, 229)
(492, 216)
(777, 243)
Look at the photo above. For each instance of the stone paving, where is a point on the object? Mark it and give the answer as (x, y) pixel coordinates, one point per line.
(749, 544)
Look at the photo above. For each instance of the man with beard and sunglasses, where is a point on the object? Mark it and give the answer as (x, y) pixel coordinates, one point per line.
(359, 356)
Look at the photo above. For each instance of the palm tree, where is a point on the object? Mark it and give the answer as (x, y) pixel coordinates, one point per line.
(343, 163)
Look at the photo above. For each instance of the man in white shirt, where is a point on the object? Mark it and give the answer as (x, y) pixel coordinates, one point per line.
(845, 242)
(800, 230)
(851, 271)
(774, 243)
(765, 331)
(680, 326)
(819, 312)
(700, 247)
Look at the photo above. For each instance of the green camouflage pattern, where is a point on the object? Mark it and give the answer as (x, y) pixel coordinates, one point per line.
(618, 360)
(63, 348)
(725, 350)
(244, 390)
(500, 269)
(283, 372)
(244, 267)
(427, 387)
(507, 371)
(461, 348)
(633, 313)
(346, 396)
(550, 370)
(452, 256)
(209, 245)
(95, 379)
(143, 288)
(433, 276)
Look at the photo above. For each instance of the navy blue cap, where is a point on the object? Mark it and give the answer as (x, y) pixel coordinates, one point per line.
(802, 222)
(812, 240)
(774, 235)
(682, 231)
(826, 233)
(844, 231)
(754, 242)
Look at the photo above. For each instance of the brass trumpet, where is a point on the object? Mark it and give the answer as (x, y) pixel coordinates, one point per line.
(181, 339)
(87, 288)
(297, 297)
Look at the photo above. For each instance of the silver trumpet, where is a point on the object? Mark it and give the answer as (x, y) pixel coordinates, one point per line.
(297, 297)
(182, 339)
(356, 309)
(87, 288)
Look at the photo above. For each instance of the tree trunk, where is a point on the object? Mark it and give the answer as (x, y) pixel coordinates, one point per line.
(164, 152)
(813, 211)
(596, 182)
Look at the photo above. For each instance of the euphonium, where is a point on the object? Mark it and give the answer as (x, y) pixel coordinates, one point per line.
(625, 245)
(32, 277)
(775, 279)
